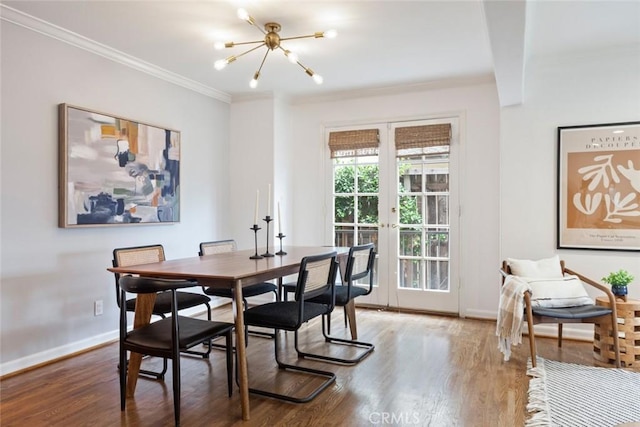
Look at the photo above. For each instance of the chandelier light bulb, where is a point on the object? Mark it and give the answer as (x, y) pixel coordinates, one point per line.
(318, 79)
(220, 64)
(219, 45)
(331, 34)
(243, 14)
(254, 82)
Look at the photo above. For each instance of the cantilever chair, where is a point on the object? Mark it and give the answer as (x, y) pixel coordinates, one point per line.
(359, 266)
(124, 257)
(583, 313)
(167, 337)
(316, 276)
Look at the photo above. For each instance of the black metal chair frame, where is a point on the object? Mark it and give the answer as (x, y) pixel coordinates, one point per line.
(301, 301)
(151, 339)
(350, 277)
(162, 314)
(585, 314)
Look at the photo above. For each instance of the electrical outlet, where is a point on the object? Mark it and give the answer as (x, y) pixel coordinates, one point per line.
(97, 307)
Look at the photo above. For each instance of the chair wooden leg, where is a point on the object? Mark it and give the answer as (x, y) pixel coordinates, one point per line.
(559, 335)
(532, 337)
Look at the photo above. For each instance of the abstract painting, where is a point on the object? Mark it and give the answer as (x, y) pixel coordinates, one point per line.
(116, 171)
(599, 186)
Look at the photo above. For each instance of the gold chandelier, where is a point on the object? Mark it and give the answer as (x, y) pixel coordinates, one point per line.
(272, 42)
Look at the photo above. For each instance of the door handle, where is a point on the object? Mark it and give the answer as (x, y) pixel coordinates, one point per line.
(394, 225)
(381, 225)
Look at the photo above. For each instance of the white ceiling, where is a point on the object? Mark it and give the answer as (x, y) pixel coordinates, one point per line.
(380, 44)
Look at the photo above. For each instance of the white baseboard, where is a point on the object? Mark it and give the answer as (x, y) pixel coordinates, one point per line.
(480, 314)
(56, 353)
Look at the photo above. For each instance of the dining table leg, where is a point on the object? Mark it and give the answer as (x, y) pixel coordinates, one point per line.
(350, 310)
(243, 377)
(142, 316)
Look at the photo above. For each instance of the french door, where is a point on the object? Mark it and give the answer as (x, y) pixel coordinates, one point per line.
(392, 187)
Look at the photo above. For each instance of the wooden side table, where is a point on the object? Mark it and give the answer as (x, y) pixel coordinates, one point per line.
(628, 334)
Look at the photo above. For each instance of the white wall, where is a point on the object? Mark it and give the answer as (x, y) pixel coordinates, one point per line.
(283, 174)
(51, 276)
(251, 167)
(599, 87)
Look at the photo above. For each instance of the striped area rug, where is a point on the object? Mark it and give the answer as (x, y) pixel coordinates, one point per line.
(569, 395)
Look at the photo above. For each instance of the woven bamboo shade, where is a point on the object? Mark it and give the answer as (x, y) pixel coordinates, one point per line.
(423, 136)
(352, 143)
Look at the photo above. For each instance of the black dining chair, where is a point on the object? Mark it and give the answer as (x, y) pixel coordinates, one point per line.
(316, 277)
(360, 263)
(167, 337)
(124, 257)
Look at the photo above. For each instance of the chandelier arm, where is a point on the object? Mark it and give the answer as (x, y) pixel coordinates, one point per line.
(308, 36)
(233, 44)
(259, 28)
(264, 58)
(307, 70)
(250, 50)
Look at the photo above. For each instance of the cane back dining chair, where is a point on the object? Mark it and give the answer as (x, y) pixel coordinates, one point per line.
(537, 311)
(316, 276)
(359, 266)
(167, 337)
(224, 246)
(127, 256)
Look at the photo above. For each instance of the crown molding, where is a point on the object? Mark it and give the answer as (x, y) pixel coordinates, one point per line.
(22, 19)
(448, 83)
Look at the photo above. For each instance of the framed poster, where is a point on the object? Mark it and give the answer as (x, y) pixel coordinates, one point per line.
(116, 171)
(599, 187)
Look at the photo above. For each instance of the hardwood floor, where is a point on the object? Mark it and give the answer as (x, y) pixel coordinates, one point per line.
(426, 370)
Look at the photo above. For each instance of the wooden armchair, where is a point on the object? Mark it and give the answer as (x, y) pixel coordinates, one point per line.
(574, 314)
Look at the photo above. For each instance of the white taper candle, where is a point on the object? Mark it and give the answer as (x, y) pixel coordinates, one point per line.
(255, 217)
(269, 201)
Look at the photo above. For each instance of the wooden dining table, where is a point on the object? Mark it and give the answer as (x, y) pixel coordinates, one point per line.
(232, 270)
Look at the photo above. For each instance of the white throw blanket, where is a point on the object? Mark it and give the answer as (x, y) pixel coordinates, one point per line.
(510, 314)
